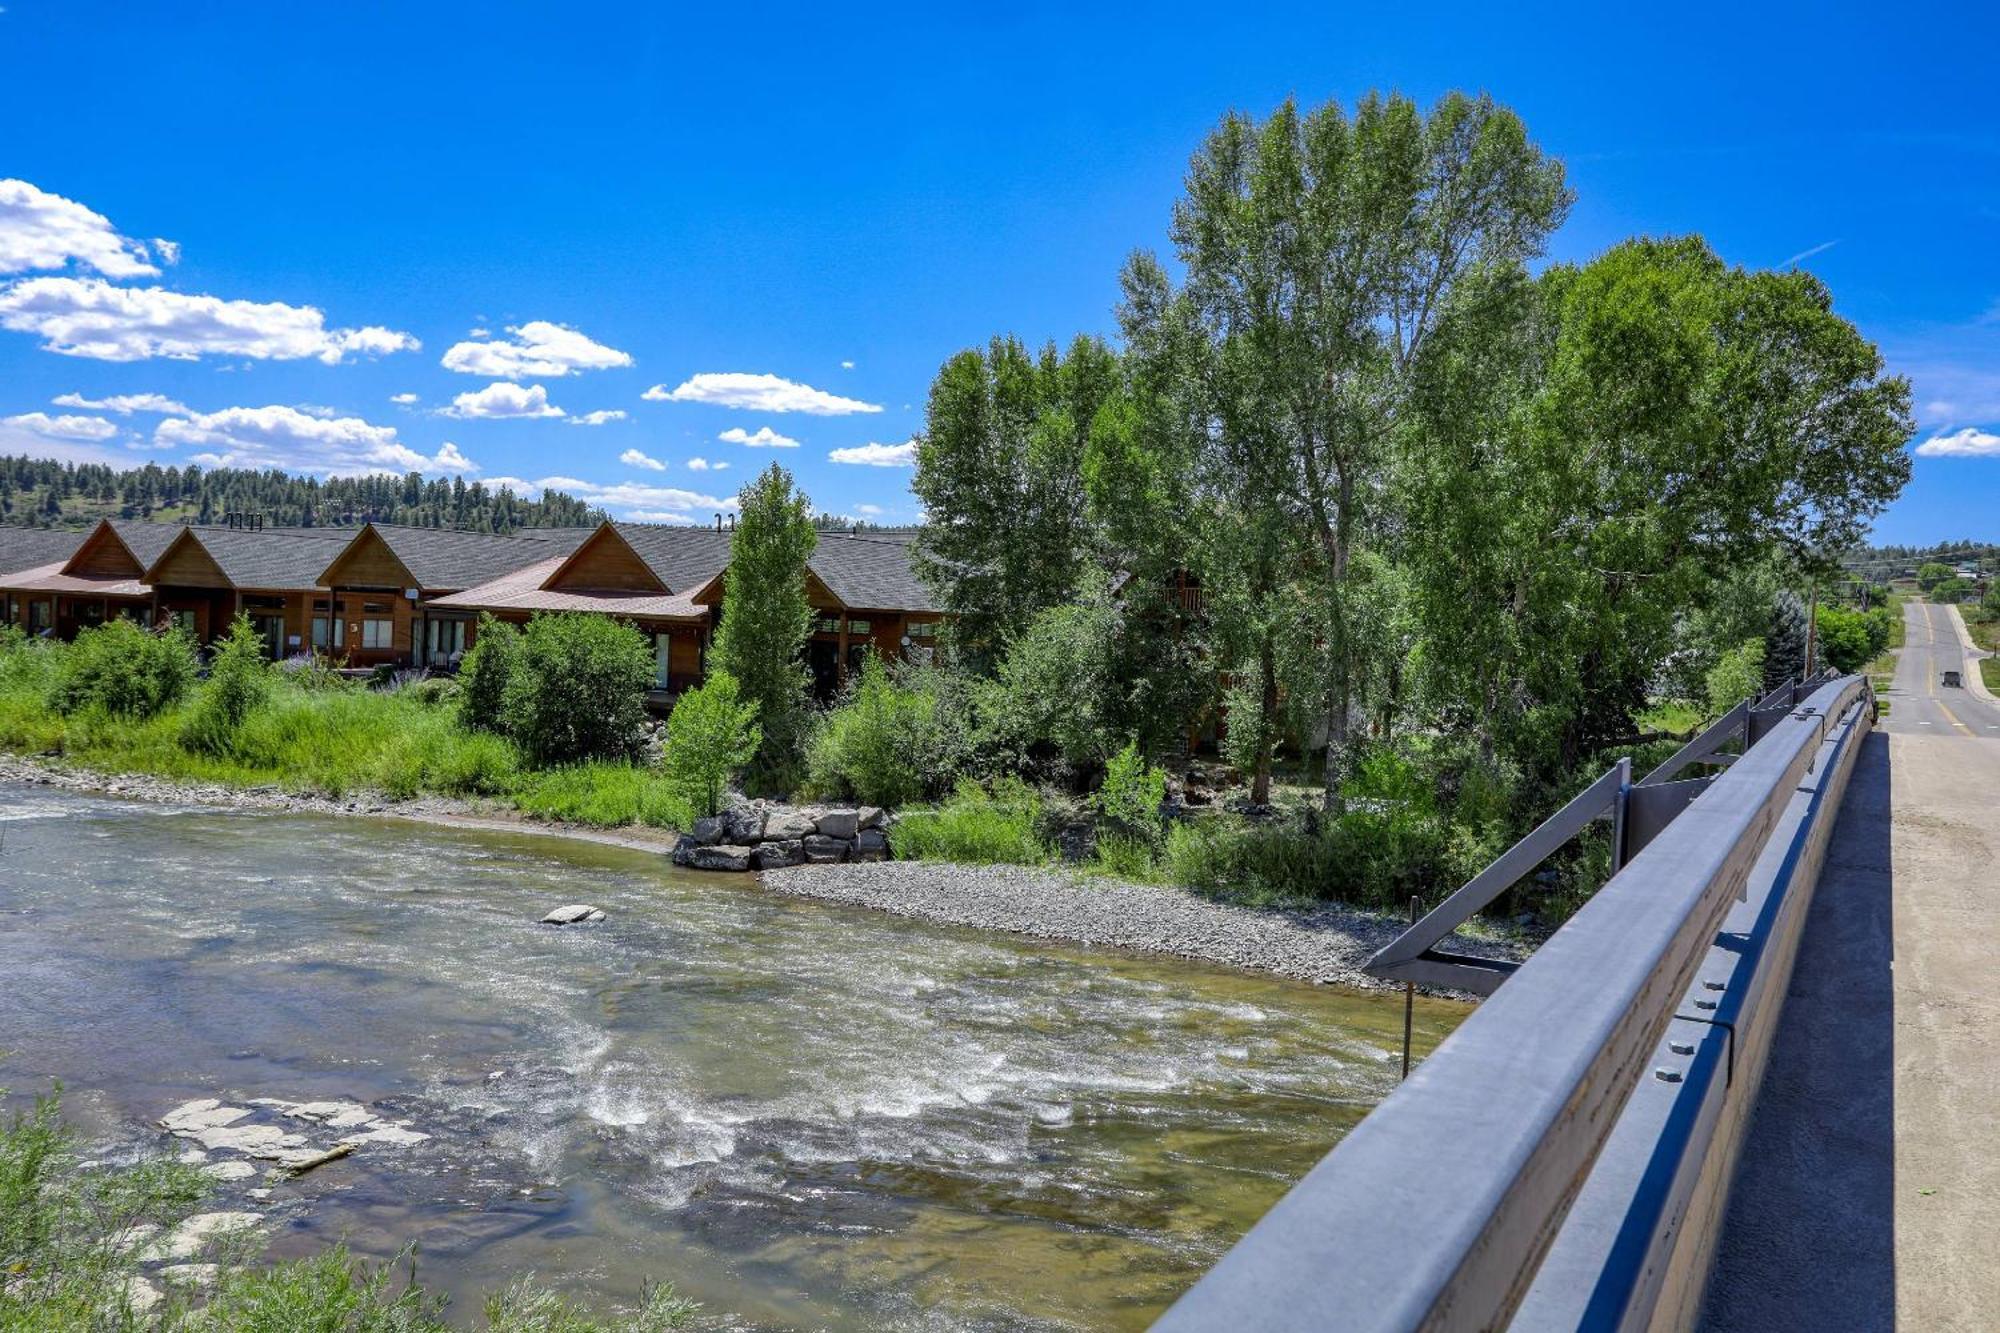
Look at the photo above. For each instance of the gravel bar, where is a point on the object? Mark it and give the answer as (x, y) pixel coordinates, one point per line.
(1324, 944)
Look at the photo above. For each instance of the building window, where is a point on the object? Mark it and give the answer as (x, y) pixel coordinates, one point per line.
(446, 640)
(38, 617)
(378, 634)
(857, 627)
(827, 625)
(925, 629)
(319, 630)
(182, 621)
(663, 649)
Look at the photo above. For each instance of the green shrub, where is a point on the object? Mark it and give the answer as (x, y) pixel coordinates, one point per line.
(1736, 676)
(711, 733)
(1256, 863)
(1048, 710)
(578, 690)
(485, 673)
(977, 826)
(124, 670)
(238, 680)
(433, 692)
(1131, 797)
(883, 744)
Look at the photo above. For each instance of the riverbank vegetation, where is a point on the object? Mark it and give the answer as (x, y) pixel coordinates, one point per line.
(73, 1252)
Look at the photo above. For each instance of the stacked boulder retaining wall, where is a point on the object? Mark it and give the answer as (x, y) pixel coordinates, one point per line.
(761, 836)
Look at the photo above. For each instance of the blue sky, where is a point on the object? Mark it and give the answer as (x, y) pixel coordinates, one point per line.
(811, 208)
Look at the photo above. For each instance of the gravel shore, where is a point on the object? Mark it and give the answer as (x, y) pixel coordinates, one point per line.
(1323, 944)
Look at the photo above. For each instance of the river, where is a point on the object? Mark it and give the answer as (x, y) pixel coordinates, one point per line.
(803, 1116)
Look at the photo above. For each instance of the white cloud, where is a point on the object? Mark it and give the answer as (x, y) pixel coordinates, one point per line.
(765, 438)
(284, 437)
(879, 455)
(168, 251)
(869, 511)
(847, 365)
(633, 458)
(1970, 442)
(90, 317)
(1808, 253)
(501, 399)
(597, 418)
(537, 348)
(125, 404)
(63, 427)
(703, 465)
(760, 393)
(405, 399)
(39, 230)
(628, 499)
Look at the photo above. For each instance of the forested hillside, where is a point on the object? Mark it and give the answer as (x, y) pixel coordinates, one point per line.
(45, 493)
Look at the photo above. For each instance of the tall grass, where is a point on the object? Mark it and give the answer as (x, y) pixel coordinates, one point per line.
(977, 826)
(603, 794)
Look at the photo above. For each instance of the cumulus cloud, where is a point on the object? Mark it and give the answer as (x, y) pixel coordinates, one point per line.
(403, 399)
(703, 465)
(125, 404)
(1969, 442)
(879, 455)
(760, 393)
(597, 418)
(633, 458)
(39, 230)
(287, 438)
(91, 318)
(537, 348)
(628, 499)
(501, 399)
(869, 511)
(847, 365)
(765, 438)
(63, 427)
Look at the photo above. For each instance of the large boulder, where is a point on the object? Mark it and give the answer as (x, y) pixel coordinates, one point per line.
(684, 850)
(839, 823)
(789, 824)
(743, 824)
(720, 858)
(821, 849)
(776, 854)
(870, 816)
(707, 831)
(871, 845)
(571, 914)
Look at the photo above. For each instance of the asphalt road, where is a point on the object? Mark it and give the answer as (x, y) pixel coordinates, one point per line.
(1868, 1195)
(1919, 705)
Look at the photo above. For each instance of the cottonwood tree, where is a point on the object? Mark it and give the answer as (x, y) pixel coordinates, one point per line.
(1322, 252)
(1000, 471)
(1596, 456)
(766, 617)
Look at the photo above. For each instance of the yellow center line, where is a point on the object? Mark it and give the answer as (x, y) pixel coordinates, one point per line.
(1930, 683)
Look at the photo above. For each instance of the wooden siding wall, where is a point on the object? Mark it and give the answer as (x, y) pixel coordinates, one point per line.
(188, 566)
(369, 563)
(103, 556)
(605, 563)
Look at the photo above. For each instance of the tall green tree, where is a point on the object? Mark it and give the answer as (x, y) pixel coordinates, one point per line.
(1000, 470)
(767, 619)
(1322, 254)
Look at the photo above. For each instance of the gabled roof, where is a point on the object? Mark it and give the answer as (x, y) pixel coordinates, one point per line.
(146, 541)
(447, 559)
(525, 590)
(261, 558)
(683, 557)
(868, 572)
(30, 548)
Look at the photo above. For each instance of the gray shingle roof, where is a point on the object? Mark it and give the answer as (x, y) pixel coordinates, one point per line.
(27, 548)
(147, 541)
(866, 571)
(442, 558)
(270, 559)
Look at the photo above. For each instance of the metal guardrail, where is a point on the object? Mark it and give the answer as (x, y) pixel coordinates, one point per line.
(1562, 1160)
(1639, 812)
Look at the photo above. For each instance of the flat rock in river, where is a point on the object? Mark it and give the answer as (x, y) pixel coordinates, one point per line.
(571, 914)
(204, 1113)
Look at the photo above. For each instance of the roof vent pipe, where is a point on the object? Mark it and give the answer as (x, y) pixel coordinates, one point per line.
(718, 522)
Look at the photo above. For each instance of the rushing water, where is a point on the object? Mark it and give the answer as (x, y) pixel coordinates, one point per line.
(803, 1116)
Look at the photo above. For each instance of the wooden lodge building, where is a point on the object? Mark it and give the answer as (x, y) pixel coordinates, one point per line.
(403, 596)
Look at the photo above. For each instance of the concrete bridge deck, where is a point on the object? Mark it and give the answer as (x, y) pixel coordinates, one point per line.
(1869, 1191)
